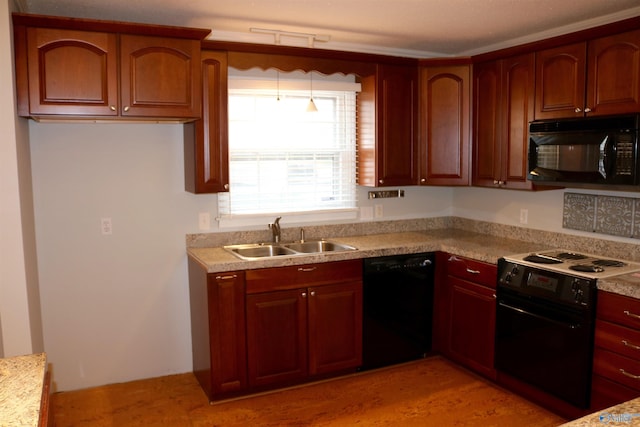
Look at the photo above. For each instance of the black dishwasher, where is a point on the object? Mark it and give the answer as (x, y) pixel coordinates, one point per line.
(397, 309)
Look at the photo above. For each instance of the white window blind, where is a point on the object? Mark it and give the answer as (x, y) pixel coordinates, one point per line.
(284, 159)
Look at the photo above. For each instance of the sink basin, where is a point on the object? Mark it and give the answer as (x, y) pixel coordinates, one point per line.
(318, 246)
(254, 251)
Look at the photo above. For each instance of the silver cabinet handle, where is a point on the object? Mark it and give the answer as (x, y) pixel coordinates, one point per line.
(633, 346)
(627, 374)
(628, 313)
(454, 258)
(112, 107)
(126, 108)
(229, 277)
(587, 110)
(470, 271)
(313, 293)
(226, 186)
(306, 270)
(304, 295)
(578, 110)
(381, 181)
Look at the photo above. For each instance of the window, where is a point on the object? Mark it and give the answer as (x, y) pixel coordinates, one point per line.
(284, 159)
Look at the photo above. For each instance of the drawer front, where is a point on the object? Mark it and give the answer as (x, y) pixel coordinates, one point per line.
(473, 271)
(619, 339)
(615, 367)
(619, 309)
(606, 393)
(296, 276)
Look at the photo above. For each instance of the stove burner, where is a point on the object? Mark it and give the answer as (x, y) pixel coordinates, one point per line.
(542, 259)
(587, 268)
(608, 263)
(571, 255)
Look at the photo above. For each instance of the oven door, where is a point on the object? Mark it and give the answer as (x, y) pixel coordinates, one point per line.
(546, 345)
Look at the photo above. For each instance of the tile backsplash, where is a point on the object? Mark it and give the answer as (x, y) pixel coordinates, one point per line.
(615, 216)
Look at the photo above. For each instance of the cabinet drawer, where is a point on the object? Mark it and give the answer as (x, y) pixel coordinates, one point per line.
(606, 393)
(618, 338)
(619, 309)
(615, 367)
(473, 271)
(295, 276)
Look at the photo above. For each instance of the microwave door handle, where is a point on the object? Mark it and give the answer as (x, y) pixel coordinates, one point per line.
(606, 162)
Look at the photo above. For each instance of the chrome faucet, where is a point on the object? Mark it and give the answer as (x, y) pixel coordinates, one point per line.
(275, 230)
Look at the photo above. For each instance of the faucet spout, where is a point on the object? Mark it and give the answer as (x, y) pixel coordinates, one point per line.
(275, 230)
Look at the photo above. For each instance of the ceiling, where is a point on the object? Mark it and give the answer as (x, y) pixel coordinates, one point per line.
(414, 28)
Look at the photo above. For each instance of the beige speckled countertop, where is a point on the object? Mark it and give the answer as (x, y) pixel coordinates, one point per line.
(21, 383)
(624, 414)
(479, 246)
(464, 243)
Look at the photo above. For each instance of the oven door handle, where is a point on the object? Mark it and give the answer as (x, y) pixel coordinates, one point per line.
(544, 318)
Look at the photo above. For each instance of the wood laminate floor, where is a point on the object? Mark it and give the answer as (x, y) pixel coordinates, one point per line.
(428, 392)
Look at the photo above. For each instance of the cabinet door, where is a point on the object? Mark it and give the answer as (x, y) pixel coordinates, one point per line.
(444, 125)
(335, 327)
(72, 72)
(206, 141)
(613, 74)
(160, 77)
(277, 336)
(560, 81)
(397, 125)
(487, 110)
(473, 319)
(518, 83)
(227, 332)
(387, 140)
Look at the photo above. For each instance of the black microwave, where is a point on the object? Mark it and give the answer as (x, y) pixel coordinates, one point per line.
(588, 151)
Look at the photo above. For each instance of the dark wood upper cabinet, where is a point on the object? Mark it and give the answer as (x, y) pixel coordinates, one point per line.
(160, 77)
(71, 72)
(613, 74)
(598, 77)
(387, 138)
(206, 141)
(101, 69)
(444, 125)
(560, 81)
(503, 108)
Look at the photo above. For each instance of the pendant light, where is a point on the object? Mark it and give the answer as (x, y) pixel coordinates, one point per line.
(312, 105)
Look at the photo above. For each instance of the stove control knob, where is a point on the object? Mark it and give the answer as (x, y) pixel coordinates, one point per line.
(514, 270)
(579, 295)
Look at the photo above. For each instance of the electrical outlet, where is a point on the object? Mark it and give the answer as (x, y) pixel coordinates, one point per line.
(204, 221)
(378, 211)
(524, 216)
(105, 226)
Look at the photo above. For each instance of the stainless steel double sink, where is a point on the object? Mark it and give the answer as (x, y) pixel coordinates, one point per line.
(254, 251)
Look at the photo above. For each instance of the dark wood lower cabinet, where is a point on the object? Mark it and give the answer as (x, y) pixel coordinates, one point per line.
(303, 332)
(218, 331)
(259, 329)
(277, 336)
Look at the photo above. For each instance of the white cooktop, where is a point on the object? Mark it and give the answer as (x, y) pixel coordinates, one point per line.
(572, 262)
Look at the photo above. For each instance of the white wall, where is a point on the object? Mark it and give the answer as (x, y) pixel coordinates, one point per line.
(20, 322)
(115, 307)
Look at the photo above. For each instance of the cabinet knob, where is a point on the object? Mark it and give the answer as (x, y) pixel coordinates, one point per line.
(578, 110)
(381, 181)
(304, 295)
(313, 293)
(495, 182)
(126, 108)
(587, 110)
(423, 180)
(226, 186)
(112, 107)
